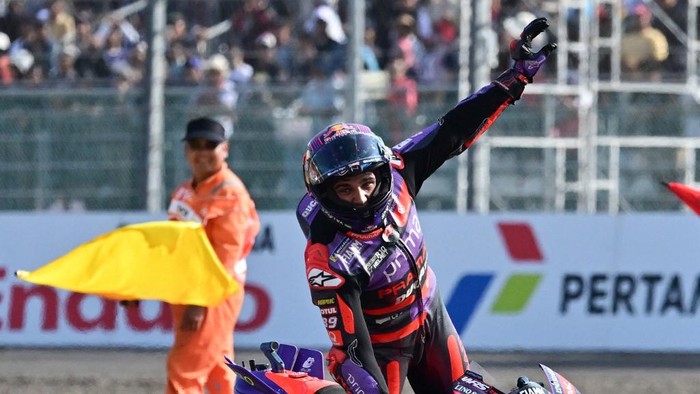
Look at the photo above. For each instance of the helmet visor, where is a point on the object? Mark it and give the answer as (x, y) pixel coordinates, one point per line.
(351, 154)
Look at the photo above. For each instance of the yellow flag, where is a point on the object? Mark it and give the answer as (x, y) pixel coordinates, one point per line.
(164, 260)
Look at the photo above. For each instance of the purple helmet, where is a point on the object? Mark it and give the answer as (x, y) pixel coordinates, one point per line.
(345, 149)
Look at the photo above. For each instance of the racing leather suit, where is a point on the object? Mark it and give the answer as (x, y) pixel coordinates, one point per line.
(377, 295)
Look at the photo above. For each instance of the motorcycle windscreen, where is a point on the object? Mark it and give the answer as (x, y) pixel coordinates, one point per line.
(558, 383)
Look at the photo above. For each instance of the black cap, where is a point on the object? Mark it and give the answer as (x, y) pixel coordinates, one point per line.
(205, 128)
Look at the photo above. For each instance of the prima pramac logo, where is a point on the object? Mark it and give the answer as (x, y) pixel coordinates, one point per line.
(513, 297)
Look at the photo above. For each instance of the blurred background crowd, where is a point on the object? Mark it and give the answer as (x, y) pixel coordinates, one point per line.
(74, 71)
(70, 42)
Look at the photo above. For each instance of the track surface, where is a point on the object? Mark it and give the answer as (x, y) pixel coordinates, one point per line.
(77, 371)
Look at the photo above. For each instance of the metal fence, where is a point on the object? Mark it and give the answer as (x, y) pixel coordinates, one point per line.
(85, 149)
(587, 137)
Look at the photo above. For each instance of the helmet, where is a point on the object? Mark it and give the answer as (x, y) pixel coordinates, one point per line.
(525, 386)
(345, 149)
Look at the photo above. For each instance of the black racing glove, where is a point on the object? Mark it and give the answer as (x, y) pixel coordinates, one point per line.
(527, 62)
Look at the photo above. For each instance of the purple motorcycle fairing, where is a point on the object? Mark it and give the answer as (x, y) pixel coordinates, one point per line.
(282, 357)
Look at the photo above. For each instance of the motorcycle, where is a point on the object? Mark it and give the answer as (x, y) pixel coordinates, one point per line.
(297, 370)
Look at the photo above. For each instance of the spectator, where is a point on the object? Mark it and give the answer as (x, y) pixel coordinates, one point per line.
(133, 68)
(378, 14)
(253, 19)
(21, 61)
(128, 36)
(425, 21)
(6, 73)
(369, 50)
(435, 68)
(116, 40)
(200, 41)
(14, 19)
(216, 96)
(677, 11)
(265, 61)
(177, 32)
(407, 46)
(286, 52)
(116, 51)
(60, 24)
(445, 27)
(326, 29)
(644, 49)
(332, 25)
(89, 64)
(203, 13)
(192, 73)
(331, 54)
(65, 74)
(241, 72)
(176, 56)
(421, 11)
(34, 40)
(402, 101)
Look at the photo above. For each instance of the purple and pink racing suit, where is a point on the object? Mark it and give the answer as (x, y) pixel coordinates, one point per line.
(377, 295)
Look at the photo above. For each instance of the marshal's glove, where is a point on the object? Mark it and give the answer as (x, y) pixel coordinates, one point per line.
(527, 62)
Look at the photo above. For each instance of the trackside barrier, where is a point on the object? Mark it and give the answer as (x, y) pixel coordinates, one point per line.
(510, 281)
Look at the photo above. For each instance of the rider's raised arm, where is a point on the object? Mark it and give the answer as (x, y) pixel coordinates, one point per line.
(423, 153)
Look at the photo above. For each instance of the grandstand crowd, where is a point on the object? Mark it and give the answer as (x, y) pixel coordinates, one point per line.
(72, 43)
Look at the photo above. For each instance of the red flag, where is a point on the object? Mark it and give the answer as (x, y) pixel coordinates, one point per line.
(690, 196)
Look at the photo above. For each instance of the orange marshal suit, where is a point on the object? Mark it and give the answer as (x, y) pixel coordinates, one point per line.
(224, 207)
